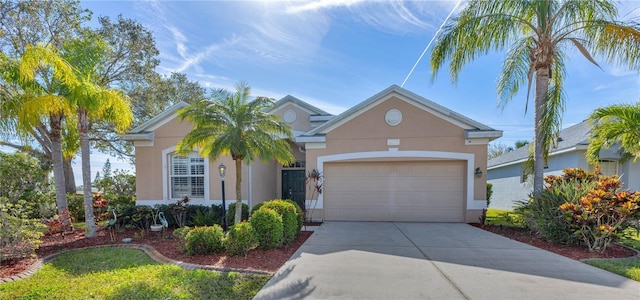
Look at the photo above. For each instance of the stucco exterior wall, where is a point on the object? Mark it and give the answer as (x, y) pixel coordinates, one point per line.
(418, 131)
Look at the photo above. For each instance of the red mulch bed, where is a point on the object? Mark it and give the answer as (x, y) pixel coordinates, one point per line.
(574, 252)
(264, 260)
(261, 260)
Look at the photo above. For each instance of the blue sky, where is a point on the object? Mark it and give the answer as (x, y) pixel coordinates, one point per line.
(337, 53)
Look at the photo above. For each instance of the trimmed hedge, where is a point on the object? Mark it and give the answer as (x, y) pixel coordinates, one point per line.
(287, 212)
(240, 239)
(204, 240)
(267, 224)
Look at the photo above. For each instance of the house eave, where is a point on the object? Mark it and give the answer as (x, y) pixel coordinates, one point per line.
(311, 139)
(521, 160)
(140, 136)
(482, 134)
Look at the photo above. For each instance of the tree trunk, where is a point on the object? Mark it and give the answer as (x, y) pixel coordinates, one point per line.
(56, 159)
(69, 179)
(541, 91)
(83, 128)
(238, 191)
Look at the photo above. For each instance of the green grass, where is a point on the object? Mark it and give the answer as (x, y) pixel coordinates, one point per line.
(629, 268)
(501, 217)
(112, 273)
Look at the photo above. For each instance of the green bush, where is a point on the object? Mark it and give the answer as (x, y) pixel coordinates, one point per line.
(256, 207)
(181, 235)
(300, 214)
(489, 193)
(119, 199)
(75, 202)
(231, 213)
(204, 240)
(287, 212)
(206, 216)
(267, 224)
(240, 239)
(19, 235)
(543, 215)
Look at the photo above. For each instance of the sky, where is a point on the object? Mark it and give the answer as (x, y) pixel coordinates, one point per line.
(335, 54)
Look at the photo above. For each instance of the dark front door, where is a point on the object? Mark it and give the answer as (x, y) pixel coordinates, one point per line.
(293, 186)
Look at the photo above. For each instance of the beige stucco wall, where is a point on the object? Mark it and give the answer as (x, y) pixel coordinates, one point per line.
(418, 131)
(301, 123)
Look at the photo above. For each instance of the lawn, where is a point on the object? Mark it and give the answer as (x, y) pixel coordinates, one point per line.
(502, 217)
(114, 273)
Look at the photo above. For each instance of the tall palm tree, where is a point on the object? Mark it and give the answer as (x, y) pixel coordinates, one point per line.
(93, 102)
(38, 76)
(232, 124)
(539, 34)
(615, 124)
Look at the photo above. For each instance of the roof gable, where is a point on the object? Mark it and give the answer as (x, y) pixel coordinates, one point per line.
(142, 131)
(474, 129)
(312, 110)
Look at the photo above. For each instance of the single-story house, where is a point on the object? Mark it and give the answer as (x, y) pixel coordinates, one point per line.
(394, 157)
(510, 185)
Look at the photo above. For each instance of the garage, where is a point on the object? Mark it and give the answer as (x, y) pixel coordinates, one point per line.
(409, 191)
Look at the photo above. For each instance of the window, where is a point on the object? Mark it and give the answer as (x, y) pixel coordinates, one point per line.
(608, 167)
(186, 176)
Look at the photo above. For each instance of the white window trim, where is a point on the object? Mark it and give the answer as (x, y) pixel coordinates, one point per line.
(166, 186)
(610, 161)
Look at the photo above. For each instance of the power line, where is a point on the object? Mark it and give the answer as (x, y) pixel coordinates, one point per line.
(428, 45)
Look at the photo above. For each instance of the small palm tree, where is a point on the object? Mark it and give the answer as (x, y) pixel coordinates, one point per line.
(615, 124)
(233, 125)
(539, 34)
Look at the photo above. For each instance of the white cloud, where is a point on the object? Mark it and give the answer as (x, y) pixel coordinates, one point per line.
(321, 4)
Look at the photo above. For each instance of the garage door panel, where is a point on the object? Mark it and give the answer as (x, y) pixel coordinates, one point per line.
(395, 191)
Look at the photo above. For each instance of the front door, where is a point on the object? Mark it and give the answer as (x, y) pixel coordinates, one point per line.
(293, 186)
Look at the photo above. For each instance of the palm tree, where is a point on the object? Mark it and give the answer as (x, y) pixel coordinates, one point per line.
(538, 33)
(615, 124)
(232, 124)
(93, 102)
(37, 77)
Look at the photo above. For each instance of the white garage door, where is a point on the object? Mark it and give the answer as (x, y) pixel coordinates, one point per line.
(412, 191)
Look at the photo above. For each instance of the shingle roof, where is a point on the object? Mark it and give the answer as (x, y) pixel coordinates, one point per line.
(477, 126)
(570, 137)
(301, 103)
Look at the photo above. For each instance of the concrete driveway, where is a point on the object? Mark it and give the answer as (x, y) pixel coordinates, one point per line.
(384, 260)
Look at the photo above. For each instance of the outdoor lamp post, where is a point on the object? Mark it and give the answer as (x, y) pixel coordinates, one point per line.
(223, 169)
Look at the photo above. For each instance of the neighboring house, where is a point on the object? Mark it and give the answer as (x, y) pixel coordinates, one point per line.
(510, 186)
(394, 157)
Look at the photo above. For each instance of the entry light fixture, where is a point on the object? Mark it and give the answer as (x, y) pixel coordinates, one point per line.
(478, 172)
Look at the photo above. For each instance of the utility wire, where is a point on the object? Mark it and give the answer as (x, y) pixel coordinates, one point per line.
(429, 45)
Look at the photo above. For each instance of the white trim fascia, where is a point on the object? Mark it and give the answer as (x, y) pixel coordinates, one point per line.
(143, 143)
(142, 136)
(151, 124)
(483, 141)
(477, 134)
(469, 157)
(311, 139)
(315, 145)
(166, 193)
(321, 118)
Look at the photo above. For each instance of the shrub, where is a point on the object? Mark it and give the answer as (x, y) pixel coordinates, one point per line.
(300, 214)
(231, 213)
(267, 224)
(287, 211)
(206, 216)
(489, 193)
(181, 235)
(256, 207)
(542, 213)
(602, 212)
(240, 239)
(204, 240)
(179, 211)
(19, 235)
(75, 203)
